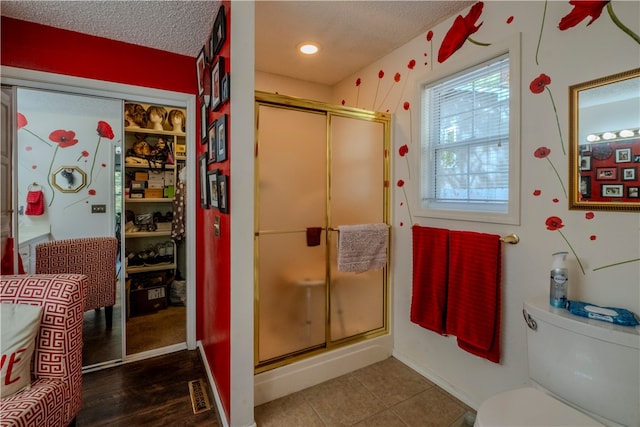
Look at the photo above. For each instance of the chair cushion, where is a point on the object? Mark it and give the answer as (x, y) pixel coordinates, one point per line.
(20, 325)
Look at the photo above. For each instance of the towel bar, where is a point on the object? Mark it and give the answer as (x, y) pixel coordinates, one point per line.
(511, 238)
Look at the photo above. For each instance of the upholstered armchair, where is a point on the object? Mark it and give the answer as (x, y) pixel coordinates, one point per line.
(95, 257)
(55, 395)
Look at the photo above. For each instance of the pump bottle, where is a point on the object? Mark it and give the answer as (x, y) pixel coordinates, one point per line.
(559, 280)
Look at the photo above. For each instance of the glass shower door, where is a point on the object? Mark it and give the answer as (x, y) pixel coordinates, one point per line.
(291, 291)
(357, 300)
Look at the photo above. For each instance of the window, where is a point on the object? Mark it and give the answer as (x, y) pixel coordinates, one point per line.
(467, 141)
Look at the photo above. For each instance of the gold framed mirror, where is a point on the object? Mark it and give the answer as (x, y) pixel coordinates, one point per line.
(604, 143)
(69, 179)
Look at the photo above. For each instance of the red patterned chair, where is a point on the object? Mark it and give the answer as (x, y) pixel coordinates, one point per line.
(55, 396)
(94, 257)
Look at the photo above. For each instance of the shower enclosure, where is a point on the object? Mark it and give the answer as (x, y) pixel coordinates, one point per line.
(318, 166)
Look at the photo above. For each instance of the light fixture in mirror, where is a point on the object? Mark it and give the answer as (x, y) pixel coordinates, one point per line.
(604, 143)
(69, 179)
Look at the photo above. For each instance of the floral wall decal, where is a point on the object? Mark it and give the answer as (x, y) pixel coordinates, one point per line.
(400, 184)
(63, 139)
(544, 15)
(543, 153)
(460, 31)
(554, 223)
(104, 131)
(539, 85)
(22, 124)
(380, 77)
(593, 9)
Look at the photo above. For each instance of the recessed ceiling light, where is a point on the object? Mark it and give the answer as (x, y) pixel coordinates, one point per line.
(308, 48)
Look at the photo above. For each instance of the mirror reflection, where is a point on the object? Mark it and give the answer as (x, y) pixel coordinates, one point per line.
(69, 179)
(604, 150)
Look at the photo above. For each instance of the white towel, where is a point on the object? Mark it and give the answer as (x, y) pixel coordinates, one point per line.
(362, 247)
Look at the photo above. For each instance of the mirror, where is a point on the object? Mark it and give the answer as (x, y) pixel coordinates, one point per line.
(604, 143)
(69, 179)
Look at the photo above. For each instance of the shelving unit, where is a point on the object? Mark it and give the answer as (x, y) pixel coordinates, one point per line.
(144, 294)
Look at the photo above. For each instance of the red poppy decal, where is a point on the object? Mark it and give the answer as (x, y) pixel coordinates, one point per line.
(344, 102)
(92, 192)
(542, 152)
(539, 83)
(460, 31)
(104, 130)
(380, 74)
(396, 77)
(28, 148)
(592, 237)
(510, 20)
(411, 64)
(537, 192)
(429, 35)
(554, 223)
(581, 11)
(400, 183)
(555, 200)
(22, 121)
(589, 215)
(358, 81)
(64, 138)
(85, 153)
(403, 150)
(406, 105)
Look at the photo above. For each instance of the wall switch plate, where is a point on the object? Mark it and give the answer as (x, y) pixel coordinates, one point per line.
(98, 208)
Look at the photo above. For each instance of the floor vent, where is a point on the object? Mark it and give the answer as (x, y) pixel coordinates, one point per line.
(199, 397)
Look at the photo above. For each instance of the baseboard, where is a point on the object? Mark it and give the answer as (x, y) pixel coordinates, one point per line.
(437, 380)
(279, 382)
(212, 386)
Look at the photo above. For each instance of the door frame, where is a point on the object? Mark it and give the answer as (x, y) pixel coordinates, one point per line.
(83, 86)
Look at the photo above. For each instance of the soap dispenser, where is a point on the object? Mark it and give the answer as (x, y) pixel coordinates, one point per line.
(559, 280)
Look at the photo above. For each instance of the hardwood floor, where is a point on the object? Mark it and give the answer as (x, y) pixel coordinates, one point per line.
(152, 392)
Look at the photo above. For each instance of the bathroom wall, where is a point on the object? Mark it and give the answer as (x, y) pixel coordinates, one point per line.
(274, 83)
(568, 57)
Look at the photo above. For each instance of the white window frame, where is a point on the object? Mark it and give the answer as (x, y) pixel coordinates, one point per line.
(469, 211)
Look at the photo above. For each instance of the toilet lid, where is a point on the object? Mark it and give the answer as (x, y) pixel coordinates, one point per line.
(529, 407)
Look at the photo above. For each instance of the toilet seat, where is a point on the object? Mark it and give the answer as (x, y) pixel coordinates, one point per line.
(529, 407)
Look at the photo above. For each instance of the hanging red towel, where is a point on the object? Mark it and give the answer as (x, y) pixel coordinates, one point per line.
(313, 236)
(35, 202)
(474, 293)
(429, 295)
(6, 265)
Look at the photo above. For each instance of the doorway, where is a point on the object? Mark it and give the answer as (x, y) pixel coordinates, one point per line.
(318, 167)
(110, 351)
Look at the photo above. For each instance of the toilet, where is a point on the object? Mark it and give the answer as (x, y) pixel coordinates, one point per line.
(584, 372)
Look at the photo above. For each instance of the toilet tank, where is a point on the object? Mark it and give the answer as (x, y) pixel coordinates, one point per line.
(591, 364)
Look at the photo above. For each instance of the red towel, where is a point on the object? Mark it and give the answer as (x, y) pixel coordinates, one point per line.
(429, 296)
(313, 236)
(474, 292)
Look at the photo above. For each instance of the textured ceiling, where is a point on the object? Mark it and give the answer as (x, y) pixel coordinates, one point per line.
(351, 33)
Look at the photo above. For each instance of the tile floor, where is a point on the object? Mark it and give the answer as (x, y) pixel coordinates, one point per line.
(385, 394)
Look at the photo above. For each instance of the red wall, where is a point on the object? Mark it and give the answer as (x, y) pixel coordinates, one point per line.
(214, 262)
(42, 48)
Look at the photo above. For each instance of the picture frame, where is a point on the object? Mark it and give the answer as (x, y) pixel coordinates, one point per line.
(612, 190)
(585, 187)
(607, 174)
(204, 123)
(221, 137)
(212, 148)
(585, 163)
(223, 193)
(212, 179)
(200, 70)
(623, 155)
(204, 191)
(217, 72)
(219, 32)
(224, 97)
(629, 174)
(633, 192)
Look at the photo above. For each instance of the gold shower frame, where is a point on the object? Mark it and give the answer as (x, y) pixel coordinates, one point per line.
(329, 110)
